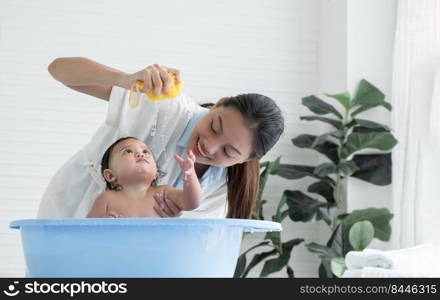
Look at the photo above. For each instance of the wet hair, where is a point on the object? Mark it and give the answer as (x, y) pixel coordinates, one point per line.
(105, 161)
(264, 118)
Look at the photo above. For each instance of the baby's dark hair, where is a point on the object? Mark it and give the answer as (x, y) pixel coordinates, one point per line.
(106, 160)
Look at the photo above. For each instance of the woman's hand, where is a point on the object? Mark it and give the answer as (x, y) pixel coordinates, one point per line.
(155, 78)
(165, 207)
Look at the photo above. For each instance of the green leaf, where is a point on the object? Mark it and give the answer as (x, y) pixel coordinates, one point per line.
(348, 168)
(343, 216)
(264, 164)
(379, 217)
(343, 98)
(338, 266)
(368, 124)
(322, 251)
(269, 168)
(329, 149)
(241, 263)
(322, 188)
(289, 171)
(257, 259)
(320, 139)
(367, 94)
(335, 123)
(258, 209)
(298, 171)
(275, 237)
(319, 107)
(325, 169)
(290, 273)
(367, 97)
(377, 140)
(325, 268)
(362, 129)
(361, 234)
(374, 168)
(335, 242)
(302, 208)
(284, 214)
(326, 213)
(278, 215)
(364, 108)
(338, 134)
(273, 165)
(276, 264)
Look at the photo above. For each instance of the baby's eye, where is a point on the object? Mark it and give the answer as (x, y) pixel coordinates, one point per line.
(145, 151)
(128, 151)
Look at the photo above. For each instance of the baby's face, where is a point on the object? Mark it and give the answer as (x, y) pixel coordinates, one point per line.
(131, 162)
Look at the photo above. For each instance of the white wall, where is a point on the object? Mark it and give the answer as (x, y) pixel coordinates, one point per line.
(357, 42)
(223, 48)
(369, 56)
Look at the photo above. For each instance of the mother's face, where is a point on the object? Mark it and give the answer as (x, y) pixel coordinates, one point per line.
(221, 138)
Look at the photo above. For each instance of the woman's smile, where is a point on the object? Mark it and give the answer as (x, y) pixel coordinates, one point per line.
(198, 150)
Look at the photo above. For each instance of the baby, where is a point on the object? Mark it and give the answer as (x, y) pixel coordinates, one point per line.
(131, 174)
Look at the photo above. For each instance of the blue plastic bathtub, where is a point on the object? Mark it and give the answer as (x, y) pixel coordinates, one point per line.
(134, 247)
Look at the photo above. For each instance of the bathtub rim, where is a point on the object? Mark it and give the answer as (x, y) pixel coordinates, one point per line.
(248, 225)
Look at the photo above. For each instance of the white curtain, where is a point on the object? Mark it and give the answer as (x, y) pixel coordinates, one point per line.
(416, 123)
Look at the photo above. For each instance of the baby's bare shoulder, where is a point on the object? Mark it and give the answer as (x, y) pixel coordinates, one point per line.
(107, 196)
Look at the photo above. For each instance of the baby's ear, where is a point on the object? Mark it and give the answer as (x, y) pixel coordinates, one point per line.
(156, 179)
(108, 175)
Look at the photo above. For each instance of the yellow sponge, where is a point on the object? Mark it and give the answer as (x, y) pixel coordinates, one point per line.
(173, 92)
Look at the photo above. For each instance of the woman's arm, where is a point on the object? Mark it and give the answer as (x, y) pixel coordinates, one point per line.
(86, 76)
(95, 79)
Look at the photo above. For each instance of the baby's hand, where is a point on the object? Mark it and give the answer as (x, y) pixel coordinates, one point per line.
(187, 164)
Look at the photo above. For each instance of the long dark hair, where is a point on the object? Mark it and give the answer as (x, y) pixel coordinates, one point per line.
(264, 118)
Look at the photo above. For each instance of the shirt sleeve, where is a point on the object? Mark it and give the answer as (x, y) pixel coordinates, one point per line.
(165, 116)
(122, 116)
(115, 107)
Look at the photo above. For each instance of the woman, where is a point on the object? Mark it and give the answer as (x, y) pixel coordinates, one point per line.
(228, 140)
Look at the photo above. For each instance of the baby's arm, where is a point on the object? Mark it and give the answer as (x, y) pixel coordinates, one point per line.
(100, 207)
(191, 196)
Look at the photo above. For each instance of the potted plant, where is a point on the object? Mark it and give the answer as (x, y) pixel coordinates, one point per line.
(322, 201)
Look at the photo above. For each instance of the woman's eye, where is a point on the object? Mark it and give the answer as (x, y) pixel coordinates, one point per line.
(212, 127)
(226, 153)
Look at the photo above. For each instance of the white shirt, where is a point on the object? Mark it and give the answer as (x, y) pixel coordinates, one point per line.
(165, 126)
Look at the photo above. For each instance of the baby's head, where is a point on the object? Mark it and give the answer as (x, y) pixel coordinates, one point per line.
(129, 161)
